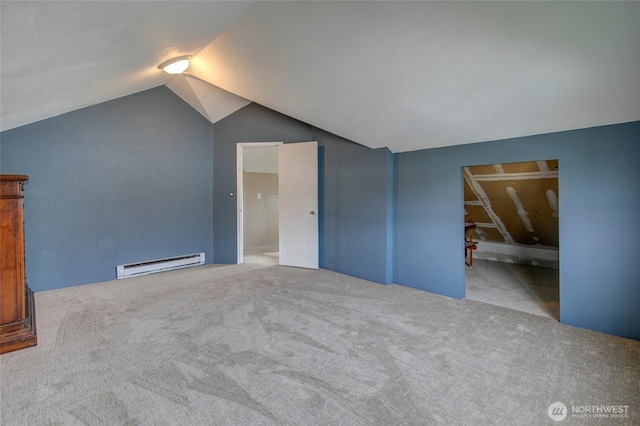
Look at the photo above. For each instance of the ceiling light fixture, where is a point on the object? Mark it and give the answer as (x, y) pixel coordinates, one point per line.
(176, 65)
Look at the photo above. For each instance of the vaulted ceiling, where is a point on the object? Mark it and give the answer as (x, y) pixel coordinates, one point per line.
(405, 75)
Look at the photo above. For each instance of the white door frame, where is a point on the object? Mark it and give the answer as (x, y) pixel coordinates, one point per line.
(240, 191)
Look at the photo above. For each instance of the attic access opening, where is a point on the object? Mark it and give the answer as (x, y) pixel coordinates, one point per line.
(514, 208)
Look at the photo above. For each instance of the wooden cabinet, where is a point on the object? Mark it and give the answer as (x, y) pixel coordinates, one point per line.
(17, 311)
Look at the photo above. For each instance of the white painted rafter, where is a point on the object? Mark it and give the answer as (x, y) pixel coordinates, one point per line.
(486, 203)
(489, 177)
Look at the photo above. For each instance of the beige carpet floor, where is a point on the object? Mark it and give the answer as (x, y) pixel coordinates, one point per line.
(526, 288)
(267, 345)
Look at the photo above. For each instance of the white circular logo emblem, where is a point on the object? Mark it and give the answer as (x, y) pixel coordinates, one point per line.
(557, 411)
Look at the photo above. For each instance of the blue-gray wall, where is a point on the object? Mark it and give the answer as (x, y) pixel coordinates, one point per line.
(599, 183)
(123, 181)
(143, 177)
(356, 203)
(357, 209)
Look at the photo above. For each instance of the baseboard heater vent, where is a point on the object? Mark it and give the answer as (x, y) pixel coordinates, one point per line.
(159, 265)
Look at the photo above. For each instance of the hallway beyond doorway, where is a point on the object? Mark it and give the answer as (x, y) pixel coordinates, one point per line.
(263, 255)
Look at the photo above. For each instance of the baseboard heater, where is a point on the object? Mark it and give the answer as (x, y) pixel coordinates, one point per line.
(159, 265)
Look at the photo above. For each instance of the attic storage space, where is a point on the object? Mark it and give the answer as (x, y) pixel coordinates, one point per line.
(511, 225)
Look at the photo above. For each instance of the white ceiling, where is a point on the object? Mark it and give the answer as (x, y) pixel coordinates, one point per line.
(59, 56)
(406, 75)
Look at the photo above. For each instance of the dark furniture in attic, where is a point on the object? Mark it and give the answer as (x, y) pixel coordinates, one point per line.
(17, 311)
(469, 244)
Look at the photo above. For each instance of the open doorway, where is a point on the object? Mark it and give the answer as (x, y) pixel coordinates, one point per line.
(258, 206)
(296, 204)
(512, 235)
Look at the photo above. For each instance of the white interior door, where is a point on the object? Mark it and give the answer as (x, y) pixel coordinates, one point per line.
(298, 204)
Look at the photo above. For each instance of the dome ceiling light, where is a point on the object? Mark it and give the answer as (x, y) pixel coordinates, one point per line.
(175, 65)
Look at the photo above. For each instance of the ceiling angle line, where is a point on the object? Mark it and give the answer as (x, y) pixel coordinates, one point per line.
(486, 203)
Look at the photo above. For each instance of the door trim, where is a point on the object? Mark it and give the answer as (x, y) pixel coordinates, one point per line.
(240, 192)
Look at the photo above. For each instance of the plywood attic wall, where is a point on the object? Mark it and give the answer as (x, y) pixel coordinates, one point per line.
(145, 177)
(515, 209)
